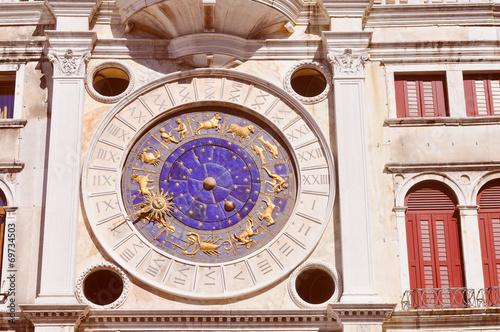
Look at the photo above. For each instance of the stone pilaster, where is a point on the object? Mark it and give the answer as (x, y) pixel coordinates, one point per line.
(68, 52)
(354, 186)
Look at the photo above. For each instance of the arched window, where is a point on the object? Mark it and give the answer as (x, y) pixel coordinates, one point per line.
(432, 230)
(489, 230)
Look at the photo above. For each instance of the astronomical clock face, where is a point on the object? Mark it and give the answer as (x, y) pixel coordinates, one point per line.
(207, 187)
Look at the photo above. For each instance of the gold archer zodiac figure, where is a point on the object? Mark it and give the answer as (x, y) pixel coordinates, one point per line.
(278, 183)
(208, 247)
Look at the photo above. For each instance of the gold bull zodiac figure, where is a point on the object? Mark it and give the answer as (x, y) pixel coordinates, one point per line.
(209, 124)
(208, 246)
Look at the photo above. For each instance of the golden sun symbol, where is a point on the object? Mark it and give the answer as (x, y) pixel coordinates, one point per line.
(157, 206)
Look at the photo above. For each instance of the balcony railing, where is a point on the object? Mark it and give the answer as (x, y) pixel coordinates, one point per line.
(488, 297)
(432, 298)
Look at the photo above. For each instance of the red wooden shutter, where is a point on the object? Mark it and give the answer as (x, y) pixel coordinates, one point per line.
(420, 96)
(482, 94)
(433, 239)
(489, 230)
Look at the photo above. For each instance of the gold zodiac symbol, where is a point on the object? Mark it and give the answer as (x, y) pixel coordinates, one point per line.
(259, 151)
(273, 149)
(267, 215)
(169, 138)
(149, 157)
(181, 129)
(166, 227)
(243, 132)
(143, 183)
(278, 182)
(155, 207)
(244, 237)
(208, 247)
(209, 124)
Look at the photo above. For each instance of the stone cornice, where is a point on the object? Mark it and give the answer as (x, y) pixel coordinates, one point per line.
(220, 320)
(442, 121)
(206, 43)
(76, 40)
(435, 51)
(363, 313)
(25, 13)
(21, 50)
(341, 40)
(12, 123)
(461, 14)
(443, 319)
(74, 8)
(457, 166)
(345, 8)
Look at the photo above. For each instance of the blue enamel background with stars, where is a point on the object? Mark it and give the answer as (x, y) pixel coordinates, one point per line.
(178, 167)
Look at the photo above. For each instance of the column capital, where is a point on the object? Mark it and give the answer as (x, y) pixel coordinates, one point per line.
(468, 210)
(69, 52)
(348, 63)
(400, 210)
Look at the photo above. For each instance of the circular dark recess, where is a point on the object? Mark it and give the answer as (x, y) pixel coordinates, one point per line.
(110, 81)
(315, 286)
(308, 82)
(103, 287)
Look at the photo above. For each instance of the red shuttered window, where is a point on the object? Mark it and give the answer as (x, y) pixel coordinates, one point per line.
(7, 90)
(433, 239)
(420, 96)
(482, 94)
(489, 228)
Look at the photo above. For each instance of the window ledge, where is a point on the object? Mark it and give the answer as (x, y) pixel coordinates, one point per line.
(441, 167)
(442, 121)
(11, 167)
(12, 123)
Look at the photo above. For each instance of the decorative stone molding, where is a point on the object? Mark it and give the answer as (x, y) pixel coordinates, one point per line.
(106, 64)
(69, 64)
(102, 266)
(55, 314)
(348, 64)
(11, 167)
(307, 64)
(442, 121)
(213, 320)
(441, 167)
(314, 264)
(371, 313)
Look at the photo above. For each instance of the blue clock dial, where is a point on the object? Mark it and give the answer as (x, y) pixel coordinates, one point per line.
(208, 186)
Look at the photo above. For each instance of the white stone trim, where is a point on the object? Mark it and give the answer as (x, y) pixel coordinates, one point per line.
(452, 184)
(308, 265)
(479, 183)
(102, 266)
(105, 64)
(307, 64)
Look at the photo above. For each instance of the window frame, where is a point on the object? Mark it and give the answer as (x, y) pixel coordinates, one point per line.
(470, 93)
(18, 70)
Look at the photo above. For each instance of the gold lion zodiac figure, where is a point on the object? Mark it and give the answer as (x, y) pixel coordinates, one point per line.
(149, 157)
(267, 215)
(278, 182)
(273, 149)
(169, 138)
(244, 237)
(208, 246)
(143, 181)
(209, 124)
(243, 132)
(181, 129)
